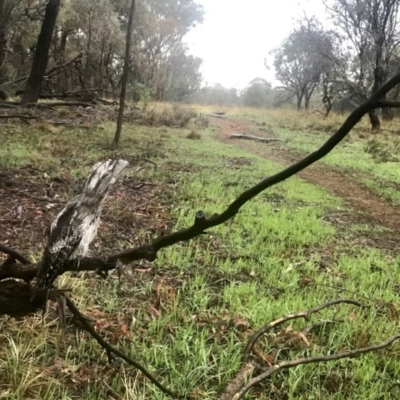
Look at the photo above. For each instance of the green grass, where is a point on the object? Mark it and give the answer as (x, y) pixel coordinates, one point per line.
(181, 319)
(306, 133)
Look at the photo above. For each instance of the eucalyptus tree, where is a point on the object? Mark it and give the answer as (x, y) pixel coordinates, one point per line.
(371, 28)
(39, 64)
(299, 62)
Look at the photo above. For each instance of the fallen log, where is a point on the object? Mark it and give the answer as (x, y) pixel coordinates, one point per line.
(256, 138)
(18, 116)
(17, 104)
(216, 116)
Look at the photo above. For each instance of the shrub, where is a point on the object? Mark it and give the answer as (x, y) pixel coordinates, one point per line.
(384, 148)
(175, 117)
(193, 135)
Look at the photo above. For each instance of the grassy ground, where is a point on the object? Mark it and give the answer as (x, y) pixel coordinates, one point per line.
(371, 159)
(187, 316)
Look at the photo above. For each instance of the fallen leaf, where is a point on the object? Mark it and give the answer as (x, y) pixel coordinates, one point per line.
(154, 312)
(303, 337)
(352, 316)
(56, 366)
(143, 270)
(241, 322)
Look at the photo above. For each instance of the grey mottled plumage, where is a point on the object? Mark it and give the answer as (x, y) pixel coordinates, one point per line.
(75, 226)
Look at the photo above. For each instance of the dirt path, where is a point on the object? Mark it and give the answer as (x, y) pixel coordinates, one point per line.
(336, 181)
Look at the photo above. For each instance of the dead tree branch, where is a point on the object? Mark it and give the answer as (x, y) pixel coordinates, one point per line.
(237, 388)
(57, 68)
(53, 70)
(302, 314)
(216, 116)
(49, 104)
(18, 116)
(112, 350)
(203, 223)
(16, 255)
(59, 104)
(308, 360)
(8, 104)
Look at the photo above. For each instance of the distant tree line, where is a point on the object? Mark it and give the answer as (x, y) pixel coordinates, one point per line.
(258, 93)
(87, 47)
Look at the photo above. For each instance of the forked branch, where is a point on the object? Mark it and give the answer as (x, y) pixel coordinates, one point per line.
(308, 360)
(302, 314)
(237, 388)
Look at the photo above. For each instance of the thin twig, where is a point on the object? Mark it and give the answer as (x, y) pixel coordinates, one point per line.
(16, 255)
(112, 350)
(244, 373)
(26, 194)
(302, 314)
(148, 161)
(18, 116)
(255, 138)
(308, 360)
(318, 325)
(201, 223)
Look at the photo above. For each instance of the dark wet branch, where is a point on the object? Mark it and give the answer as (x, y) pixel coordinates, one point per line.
(18, 116)
(112, 350)
(202, 222)
(302, 314)
(388, 104)
(16, 255)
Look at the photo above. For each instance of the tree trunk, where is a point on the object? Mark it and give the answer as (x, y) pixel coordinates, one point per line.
(387, 114)
(125, 74)
(86, 72)
(34, 83)
(307, 96)
(307, 103)
(62, 79)
(299, 100)
(6, 8)
(375, 122)
(328, 108)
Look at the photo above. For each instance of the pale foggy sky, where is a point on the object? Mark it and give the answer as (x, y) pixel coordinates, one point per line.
(237, 35)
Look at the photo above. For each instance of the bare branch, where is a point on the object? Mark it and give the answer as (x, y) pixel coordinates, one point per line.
(18, 116)
(55, 69)
(48, 105)
(16, 255)
(255, 138)
(202, 223)
(308, 360)
(235, 385)
(302, 314)
(388, 104)
(112, 350)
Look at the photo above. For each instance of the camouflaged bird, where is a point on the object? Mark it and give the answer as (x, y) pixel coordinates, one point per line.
(75, 226)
